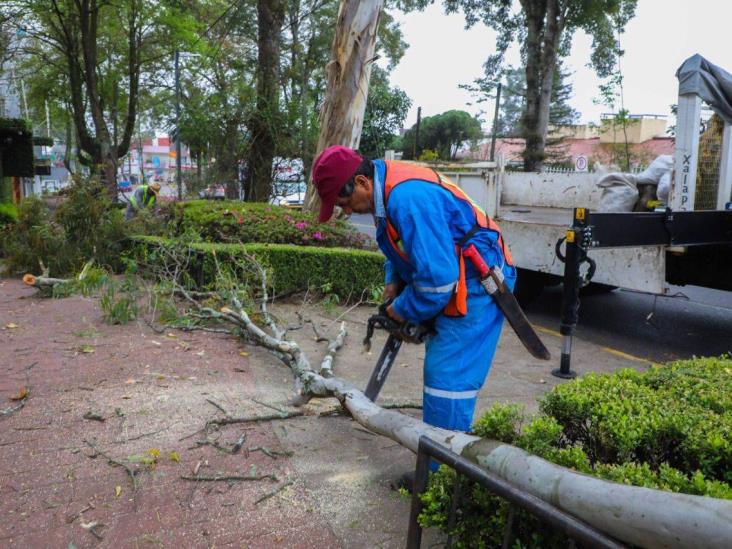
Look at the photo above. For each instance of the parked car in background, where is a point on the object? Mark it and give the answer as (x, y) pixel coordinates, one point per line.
(124, 186)
(213, 192)
(290, 194)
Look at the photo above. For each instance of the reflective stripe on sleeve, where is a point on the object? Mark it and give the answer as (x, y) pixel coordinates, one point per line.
(455, 395)
(435, 289)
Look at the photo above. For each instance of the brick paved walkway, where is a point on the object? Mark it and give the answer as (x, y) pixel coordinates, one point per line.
(151, 389)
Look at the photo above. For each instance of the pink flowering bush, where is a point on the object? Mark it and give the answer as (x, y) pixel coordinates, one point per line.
(230, 221)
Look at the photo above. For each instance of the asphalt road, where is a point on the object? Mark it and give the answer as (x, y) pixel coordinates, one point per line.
(692, 321)
(364, 223)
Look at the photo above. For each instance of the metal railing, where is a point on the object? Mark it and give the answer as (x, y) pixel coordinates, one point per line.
(548, 513)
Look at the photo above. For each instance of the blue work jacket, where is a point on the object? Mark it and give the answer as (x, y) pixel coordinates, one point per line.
(430, 221)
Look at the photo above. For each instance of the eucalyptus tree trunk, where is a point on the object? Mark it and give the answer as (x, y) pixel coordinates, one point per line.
(545, 21)
(349, 71)
(270, 16)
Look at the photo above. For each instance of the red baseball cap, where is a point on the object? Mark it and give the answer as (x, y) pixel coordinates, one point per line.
(331, 171)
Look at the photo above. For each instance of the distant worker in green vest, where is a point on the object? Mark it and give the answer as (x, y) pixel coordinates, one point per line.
(145, 196)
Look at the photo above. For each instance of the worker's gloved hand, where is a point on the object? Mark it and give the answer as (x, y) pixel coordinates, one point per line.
(391, 291)
(412, 333)
(406, 331)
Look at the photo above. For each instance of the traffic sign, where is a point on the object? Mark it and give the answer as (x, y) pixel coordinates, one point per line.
(581, 164)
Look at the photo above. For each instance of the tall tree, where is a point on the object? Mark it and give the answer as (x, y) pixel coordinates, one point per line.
(262, 125)
(443, 133)
(98, 49)
(386, 110)
(544, 28)
(308, 37)
(349, 70)
(218, 82)
(513, 99)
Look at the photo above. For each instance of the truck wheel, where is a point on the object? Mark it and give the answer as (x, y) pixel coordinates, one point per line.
(529, 285)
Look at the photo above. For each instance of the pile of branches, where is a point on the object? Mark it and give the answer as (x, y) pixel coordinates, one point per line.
(234, 306)
(648, 517)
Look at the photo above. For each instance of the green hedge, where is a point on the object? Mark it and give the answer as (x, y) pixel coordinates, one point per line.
(344, 272)
(240, 222)
(669, 428)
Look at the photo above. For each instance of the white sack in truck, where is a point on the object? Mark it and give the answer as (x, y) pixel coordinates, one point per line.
(619, 192)
(664, 186)
(653, 174)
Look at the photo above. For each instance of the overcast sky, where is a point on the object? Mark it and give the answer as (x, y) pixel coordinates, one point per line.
(442, 55)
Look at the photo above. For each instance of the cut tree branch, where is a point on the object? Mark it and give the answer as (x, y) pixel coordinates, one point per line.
(635, 515)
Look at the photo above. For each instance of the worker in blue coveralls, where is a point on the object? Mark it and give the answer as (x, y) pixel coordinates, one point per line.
(423, 223)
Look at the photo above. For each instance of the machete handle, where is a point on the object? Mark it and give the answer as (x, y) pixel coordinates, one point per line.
(473, 255)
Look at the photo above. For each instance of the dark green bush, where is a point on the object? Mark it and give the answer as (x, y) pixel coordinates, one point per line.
(85, 225)
(239, 222)
(8, 213)
(16, 154)
(34, 237)
(344, 272)
(669, 428)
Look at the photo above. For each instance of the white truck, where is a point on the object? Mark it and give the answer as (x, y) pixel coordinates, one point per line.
(534, 211)
(645, 251)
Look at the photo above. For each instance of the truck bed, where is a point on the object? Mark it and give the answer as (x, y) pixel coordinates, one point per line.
(533, 214)
(532, 232)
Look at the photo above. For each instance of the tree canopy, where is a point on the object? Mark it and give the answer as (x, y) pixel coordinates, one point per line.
(443, 133)
(106, 71)
(544, 29)
(386, 110)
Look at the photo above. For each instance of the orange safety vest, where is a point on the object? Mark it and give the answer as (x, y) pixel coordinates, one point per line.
(399, 172)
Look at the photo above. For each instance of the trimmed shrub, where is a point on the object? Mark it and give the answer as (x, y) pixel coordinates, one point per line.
(8, 213)
(344, 272)
(32, 238)
(239, 222)
(669, 429)
(85, 225)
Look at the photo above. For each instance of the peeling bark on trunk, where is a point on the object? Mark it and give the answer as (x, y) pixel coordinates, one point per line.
(270, 16)
(349, 71)
(544, 23)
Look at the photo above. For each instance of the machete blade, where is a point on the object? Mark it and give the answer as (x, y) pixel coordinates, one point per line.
(386, 359)
(520, 324)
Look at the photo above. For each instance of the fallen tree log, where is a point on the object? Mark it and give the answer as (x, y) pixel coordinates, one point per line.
(635, 515)
(44, 281)
(641, 516)
(632, 514)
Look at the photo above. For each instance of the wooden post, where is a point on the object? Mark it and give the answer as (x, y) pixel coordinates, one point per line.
(349, 72)
(17, 193)
(724, 195)
(683, 187)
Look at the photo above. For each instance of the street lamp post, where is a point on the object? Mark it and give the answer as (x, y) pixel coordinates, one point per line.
(495, 122)
(178, 168)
